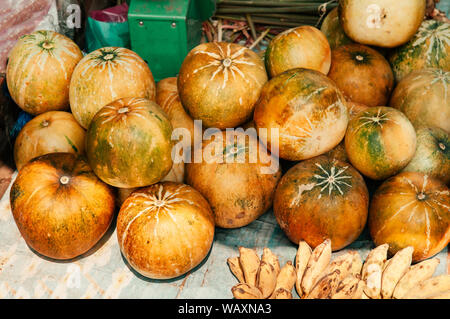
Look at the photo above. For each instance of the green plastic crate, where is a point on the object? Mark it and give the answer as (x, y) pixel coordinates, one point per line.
(162, 32)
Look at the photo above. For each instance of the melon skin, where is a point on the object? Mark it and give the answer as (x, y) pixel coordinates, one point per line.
(370, 145)
(333, 30)
(128, 143)
(338, 152)
(423, 96)
(362, 74)
(301, 47)
(237, 178)
(106, 75)
(428, 48)
(382, 23)
(49, 132)
(322, 198)
(219, 84)
(411, 209)
(60, 207)
(432, 156)
(304, 106)
(165, 230)
(40, 66)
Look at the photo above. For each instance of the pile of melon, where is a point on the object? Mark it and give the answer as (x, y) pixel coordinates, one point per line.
(336, 129)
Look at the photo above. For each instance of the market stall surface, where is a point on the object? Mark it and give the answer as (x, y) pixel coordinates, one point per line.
(104, 273)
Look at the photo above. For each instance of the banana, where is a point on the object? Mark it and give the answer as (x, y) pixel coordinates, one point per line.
(318, 262)
(245, 291)
(270, 258)
(249, 261)
(349, 288)
(235, 267)
(281, 293)
(414, 275)
(326, 286)
(394, 271)
(266, 279)
(429, 288)
(372, 271)
(287, 277)
(301, 261)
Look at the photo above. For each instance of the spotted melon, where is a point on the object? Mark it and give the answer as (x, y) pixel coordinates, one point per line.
(333, 30)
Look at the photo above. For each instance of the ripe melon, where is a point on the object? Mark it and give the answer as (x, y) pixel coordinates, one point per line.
(106, 75)
(49, 132)
(432, 156)
(165, 230)
(60, 207)
(333, 30)
(301, 47)
(219, 83)
(322, 198)
(382, 23)
(428, 48)
(380, 142)
(128, 143)
(424, 96)
(307, 109)
(362, 74)
(411, 209)
(39, 69)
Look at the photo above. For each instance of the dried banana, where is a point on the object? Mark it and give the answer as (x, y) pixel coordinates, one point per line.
(235, 267)
(318, 262)
(286, 278)
(270, 258)
(414, 275)
(394, 271)
(245, 291)
(429, 288)
(266, 279)
(249, 261)
(372, 271)
(301, 261)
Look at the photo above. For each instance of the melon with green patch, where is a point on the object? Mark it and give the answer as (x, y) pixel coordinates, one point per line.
(39, 70)
(128, 143)
(306, 110)
(382, 23)
(106, 75)
(300, 47)
(322, 198)
(380, 142)
(432, 156)
(50, 132)
(411, 209)
(333, 30)
(219, 83)
(362, 74)
(424, 96)
(428, 48)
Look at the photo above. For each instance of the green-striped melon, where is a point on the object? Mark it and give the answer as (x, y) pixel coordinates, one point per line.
(428, 48)
(39, 70)
(380, 142)
(128, 143)
(106, 75)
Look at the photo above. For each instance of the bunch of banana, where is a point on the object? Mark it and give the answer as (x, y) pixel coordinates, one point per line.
(316, 276)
